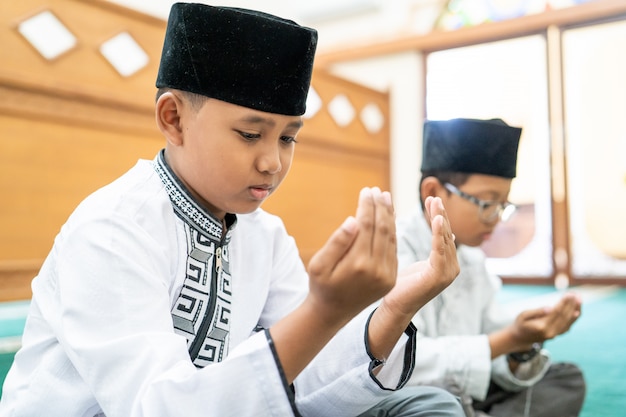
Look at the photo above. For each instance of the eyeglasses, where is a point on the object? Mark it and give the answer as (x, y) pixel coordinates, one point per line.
(488, 211)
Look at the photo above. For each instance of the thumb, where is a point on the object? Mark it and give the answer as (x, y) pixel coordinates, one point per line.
(335, 248)
(534, 313)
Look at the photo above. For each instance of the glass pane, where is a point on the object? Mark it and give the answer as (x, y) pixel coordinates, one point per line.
(463, 13)
(596, 147)
(506, 80)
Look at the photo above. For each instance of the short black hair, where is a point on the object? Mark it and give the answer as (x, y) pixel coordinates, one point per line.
(455, 178)
(196, 100)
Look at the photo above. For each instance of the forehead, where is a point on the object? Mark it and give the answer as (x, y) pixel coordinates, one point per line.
(248, 116)
(487, 184)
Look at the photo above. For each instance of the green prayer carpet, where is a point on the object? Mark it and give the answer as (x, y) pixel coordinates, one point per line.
(5, 363)
(596, 343)
(12, 321)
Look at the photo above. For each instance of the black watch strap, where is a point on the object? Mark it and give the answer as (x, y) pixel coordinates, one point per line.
(527, 355)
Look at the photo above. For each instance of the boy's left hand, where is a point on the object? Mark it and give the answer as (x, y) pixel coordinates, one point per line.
(415, 285)
(420, 282)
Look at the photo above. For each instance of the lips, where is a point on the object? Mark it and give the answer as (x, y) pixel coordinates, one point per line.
(487, 234)
(260, 192)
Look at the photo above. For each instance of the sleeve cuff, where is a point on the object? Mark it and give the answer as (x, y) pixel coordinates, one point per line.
(527, 374)
(289, 389)
(395, 371)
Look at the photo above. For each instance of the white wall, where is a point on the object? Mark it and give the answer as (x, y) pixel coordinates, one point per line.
(400, 75)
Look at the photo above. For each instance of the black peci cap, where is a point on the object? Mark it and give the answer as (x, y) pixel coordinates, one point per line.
(240, 56)
(471, 146)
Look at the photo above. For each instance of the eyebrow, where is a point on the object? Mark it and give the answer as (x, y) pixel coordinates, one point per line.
(297, 124)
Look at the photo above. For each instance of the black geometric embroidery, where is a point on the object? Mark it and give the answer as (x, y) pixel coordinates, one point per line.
(202, 310)
(181, 303)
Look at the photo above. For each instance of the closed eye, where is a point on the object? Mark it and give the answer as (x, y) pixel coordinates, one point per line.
(488, 204)
(288, 139)
(248, 136)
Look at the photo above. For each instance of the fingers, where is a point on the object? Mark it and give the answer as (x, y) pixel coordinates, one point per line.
(366, 218)
(384, 239)
(568, 307)
(549, 322)
(442, 238)
(535, 313)
(377, 229)
(574, 301)
(358, 263)
(376, 242)
(440, 224)
(442, 261)
(335, 248)
(564, 313)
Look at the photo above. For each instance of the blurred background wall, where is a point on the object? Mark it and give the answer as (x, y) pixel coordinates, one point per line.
(553, 68)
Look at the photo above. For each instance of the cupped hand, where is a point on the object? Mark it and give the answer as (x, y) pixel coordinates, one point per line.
(420, 282)
(541, 324)
(358, 264)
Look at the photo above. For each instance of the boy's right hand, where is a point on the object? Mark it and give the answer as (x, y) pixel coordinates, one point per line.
(536, 326)
(541, 324)
(358, 264)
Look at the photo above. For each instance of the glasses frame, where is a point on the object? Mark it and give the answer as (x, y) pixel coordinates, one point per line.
(503, 212)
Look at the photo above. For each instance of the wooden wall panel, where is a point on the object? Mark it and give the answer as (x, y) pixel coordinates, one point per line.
(83, 71)
(46, 169)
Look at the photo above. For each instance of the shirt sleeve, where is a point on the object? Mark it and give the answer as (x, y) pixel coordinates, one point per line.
(340, 380)
(461, 364)
(526, 375)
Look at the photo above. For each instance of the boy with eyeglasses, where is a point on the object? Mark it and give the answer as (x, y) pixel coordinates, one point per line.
(495, 363)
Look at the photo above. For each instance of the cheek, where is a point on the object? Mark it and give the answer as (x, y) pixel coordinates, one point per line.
(286, 159)
(464, 223)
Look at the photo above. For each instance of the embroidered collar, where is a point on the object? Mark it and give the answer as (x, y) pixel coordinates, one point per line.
(186, 206)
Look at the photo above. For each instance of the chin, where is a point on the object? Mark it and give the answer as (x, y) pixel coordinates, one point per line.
(247, 209)
(473, 244)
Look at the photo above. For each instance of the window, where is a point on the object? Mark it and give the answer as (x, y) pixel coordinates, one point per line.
(506, 80)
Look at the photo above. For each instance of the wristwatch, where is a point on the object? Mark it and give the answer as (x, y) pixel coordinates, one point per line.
(527, 355)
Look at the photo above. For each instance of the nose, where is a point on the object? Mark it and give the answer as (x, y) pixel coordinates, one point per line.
(268, 160)
(492, 221)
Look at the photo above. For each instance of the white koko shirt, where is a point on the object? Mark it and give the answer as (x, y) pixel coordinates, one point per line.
(142, 308)
(453, 347)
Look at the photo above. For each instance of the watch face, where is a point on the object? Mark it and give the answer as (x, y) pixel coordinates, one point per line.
(527, 355)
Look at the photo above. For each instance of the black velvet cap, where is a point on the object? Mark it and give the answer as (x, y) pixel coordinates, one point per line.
(240, 56)
(472, 146)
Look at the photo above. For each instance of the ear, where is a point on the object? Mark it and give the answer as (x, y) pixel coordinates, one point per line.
(431, 187)
(168, 117)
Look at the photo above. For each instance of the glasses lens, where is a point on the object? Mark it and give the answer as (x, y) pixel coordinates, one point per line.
(507, 212)
(490, 211)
